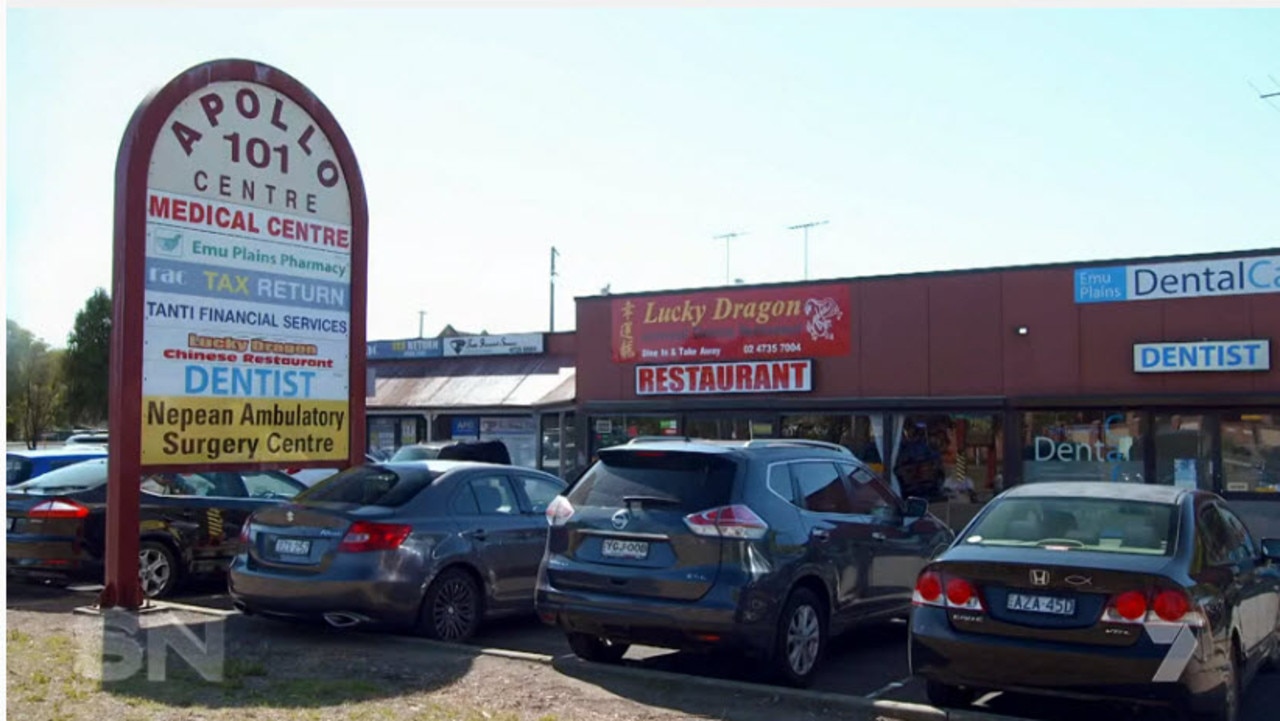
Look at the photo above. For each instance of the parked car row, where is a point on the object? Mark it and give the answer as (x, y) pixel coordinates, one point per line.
(767, 548)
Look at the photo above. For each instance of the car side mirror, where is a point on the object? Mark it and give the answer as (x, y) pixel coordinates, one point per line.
(1271, 549)
(916, 507)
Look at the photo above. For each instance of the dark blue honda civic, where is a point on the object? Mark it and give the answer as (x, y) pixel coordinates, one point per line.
(1148, 595)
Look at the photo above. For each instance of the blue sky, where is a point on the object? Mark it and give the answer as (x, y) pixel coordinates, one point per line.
(930, 139)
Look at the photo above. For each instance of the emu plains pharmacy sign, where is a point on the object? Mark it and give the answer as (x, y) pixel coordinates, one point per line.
(239, 281)
(1197, 279)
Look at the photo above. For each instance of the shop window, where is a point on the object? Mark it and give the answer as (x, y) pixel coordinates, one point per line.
(732, 428)
(1184, 450)
(1251, 452)
(550, 442)
(863, 435)
(954, 457)
(616, 430)
(1089, 445)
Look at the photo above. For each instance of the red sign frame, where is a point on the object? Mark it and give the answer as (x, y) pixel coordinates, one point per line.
(799, 321)
(129, 288)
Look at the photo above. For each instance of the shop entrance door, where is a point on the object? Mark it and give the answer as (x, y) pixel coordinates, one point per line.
(1184, 449)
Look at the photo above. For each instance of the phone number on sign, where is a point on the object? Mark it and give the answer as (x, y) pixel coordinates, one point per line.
(771, 348)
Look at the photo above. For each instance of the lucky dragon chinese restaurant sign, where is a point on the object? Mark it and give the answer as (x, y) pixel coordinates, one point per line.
(785, 322)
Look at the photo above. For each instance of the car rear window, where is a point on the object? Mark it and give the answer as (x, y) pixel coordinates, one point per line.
(369, 486)
(68, 479)
(1089, 524)
(16, 470)
(415, 453)
(688, 482)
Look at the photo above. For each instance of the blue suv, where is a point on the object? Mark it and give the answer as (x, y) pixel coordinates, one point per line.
(764, 547)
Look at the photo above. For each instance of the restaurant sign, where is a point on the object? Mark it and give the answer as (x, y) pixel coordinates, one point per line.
(784, 376)
(758, 323)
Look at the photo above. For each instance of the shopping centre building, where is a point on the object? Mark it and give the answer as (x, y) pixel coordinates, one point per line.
(954, 385)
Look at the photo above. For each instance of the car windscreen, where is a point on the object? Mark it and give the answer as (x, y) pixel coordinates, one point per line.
(415, 453)
(16, 469)
(82, 476)
(1087, 524)
(369, 486)
(687, 482)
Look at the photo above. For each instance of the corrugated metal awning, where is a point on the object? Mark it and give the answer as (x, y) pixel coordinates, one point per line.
(484, 382)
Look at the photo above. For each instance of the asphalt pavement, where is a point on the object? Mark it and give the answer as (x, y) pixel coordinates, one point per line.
(870, 662)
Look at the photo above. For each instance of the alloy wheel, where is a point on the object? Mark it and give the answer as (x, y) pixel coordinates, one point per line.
(803, 639)
(155, 571)
(454, 610)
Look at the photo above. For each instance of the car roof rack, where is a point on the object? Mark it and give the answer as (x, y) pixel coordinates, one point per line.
(757, 442)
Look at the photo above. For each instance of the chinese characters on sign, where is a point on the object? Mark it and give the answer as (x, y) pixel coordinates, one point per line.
(762, 323)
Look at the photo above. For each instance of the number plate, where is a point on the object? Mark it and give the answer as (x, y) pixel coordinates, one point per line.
(614, 548)
(292, 547)
(1042, 604)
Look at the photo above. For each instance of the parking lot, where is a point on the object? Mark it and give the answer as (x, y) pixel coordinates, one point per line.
(870, 662)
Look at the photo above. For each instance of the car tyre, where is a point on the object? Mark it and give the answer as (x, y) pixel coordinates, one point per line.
(157, 569)
(802, 639)
(452, 607)
(593, 648)
(945, 695)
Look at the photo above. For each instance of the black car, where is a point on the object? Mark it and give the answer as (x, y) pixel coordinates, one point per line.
(189, 522)
(762, 547)
(1141, 593)
(436, 546)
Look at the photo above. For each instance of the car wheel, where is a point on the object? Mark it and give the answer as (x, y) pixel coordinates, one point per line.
(802, 638)
(947, 696)
(157, 569)
(452, 608)
(593, 648)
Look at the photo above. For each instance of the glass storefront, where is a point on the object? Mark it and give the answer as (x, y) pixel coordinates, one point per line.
(1085, 445)
(948, 456)
(1251, 452)
(861, 434)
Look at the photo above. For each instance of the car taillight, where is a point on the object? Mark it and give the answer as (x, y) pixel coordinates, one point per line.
(735, 521)
(943, 590)
(928, 590)
(365, 536)
(1171, 605)
(58, 508)
(559, 512)
(1130, 605)
(244, 533)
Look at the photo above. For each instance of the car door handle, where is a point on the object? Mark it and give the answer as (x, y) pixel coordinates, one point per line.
(878, 536)
(476, 533)
(821, 534)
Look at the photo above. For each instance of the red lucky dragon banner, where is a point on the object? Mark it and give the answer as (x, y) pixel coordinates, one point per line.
(789, 322)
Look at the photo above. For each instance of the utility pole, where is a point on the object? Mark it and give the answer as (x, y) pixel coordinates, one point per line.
(421, 314)
(805, 227)
(726, 237)
(554, 253)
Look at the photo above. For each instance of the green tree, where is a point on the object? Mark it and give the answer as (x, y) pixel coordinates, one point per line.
(34, 393)
(85, 371)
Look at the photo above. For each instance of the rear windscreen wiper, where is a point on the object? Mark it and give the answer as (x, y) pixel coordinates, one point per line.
(656, 500)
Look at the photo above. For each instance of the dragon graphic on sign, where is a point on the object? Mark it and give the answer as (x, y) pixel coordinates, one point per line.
(822, 313)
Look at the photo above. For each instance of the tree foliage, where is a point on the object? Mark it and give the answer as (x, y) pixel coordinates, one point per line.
(34, 376)
(85, 372)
